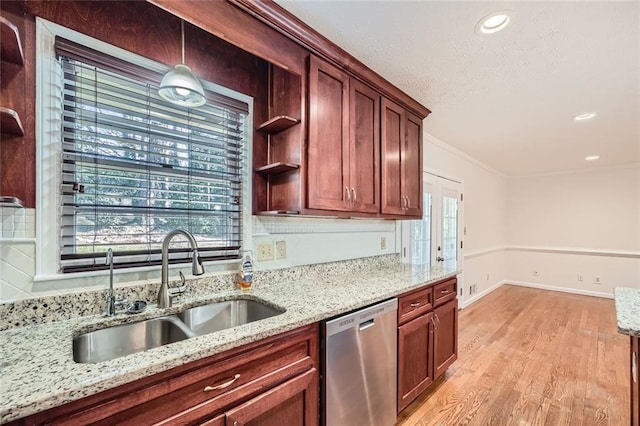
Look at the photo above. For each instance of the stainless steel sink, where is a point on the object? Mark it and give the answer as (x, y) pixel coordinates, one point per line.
(126, 339)
(218, 316)
(120, 340)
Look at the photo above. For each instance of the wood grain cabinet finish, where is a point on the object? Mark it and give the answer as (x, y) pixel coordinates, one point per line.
(343, 144)
(635, 380)
(271, 379)
(427, 338)
(415, 363)
(445, 341)
(401, 163)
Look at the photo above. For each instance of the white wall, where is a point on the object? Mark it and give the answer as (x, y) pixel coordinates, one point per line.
(485, 213)
(585, 223)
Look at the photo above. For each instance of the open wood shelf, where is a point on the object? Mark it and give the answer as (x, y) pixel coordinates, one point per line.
(10, 122)
(10, 47)
(9, 201)
(277, 124)
(277, 212)
(277, 168)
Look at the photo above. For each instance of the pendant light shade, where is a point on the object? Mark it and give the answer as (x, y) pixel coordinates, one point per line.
(179, 86)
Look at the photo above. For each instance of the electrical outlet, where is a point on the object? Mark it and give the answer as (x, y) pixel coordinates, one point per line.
(596, 280)
(281, 250)
(580, 277)
(383, 243)
(265, 252)
(535, 273)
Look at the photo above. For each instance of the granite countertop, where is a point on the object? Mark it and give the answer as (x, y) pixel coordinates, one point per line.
(628, 310)
(38, 372)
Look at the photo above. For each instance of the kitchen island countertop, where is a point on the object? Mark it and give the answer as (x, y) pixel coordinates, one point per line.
(628, 310)
(38, 372)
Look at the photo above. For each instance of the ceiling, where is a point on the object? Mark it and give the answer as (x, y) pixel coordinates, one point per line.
(507, 99)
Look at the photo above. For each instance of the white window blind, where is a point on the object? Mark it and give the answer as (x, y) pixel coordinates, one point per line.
(135, 167)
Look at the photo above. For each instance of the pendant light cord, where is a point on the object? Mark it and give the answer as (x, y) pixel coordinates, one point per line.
(182, 32)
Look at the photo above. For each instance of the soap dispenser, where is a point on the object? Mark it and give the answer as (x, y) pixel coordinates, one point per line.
(245, 276)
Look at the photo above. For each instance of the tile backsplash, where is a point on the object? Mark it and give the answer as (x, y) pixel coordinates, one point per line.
(18, 223)
(309, 241)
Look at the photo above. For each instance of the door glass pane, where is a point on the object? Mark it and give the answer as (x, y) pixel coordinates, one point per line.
(421, 234)
(449, 228)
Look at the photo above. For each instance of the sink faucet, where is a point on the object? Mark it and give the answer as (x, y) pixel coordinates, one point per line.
(165, 293)
(112, 303)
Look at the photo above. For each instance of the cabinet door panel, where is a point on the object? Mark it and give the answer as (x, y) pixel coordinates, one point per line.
(364, 143)
(393, 137)
(445, 343)
(415, 367)
(412, 165)
(327, 149)
(294, 402)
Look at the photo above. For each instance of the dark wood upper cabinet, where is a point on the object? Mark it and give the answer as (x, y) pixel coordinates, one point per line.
(364, 147)
(401, 147)
(343, 146)
(328, 143)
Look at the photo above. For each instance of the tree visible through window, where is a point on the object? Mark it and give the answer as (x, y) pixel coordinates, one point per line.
(135, 167)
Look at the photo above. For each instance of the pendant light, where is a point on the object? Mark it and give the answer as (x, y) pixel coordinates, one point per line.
(179, 86)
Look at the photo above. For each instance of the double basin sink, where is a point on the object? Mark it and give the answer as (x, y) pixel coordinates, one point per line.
(120, 340)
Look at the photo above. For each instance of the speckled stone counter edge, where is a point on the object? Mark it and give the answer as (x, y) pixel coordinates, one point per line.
(79, 304)
(34, 357)
(628, 310)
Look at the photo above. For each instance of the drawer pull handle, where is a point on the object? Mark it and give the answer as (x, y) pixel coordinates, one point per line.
(444, 291)
(222, 385)
(415, 305)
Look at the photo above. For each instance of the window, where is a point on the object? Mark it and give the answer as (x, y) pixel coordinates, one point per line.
(134, 167)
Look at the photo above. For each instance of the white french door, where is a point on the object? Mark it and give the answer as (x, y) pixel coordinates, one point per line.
(436, 240)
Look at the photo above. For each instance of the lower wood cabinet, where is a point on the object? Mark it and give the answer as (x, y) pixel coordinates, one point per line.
(635, 381)
(445, 341)
(415, 364)
(427, 338)
(268, 382)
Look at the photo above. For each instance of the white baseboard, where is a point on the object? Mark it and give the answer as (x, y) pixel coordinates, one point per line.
(482, 294)
(561, 289)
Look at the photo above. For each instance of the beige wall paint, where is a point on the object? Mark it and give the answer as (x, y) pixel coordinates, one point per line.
(485, 213)
(586, 224)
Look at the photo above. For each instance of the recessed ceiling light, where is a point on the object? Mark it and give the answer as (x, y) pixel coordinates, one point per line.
(585, 116)
(591, 157)
(494, 22)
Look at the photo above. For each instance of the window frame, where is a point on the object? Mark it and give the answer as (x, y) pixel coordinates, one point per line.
(49, 148)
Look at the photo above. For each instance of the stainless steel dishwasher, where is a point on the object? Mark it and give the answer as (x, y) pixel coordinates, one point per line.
(360, 366)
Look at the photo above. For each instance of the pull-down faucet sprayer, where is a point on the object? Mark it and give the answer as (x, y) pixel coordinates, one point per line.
(165, 293)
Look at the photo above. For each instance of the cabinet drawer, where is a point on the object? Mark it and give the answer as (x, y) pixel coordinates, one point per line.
(199, 392)
(445, 291)
(414, 304)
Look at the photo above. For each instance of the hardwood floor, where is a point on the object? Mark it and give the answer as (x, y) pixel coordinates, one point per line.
(532, 357)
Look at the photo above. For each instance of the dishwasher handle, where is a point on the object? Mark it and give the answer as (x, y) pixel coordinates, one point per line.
(361, 319)
(367, 324)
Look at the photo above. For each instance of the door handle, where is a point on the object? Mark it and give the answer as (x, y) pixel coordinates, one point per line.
(634, 367)
(355, 196)
(440, 259)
